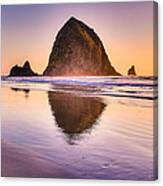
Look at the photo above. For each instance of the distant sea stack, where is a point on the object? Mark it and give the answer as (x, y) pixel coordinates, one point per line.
(131, 71)
(22, 71)
(78, 51)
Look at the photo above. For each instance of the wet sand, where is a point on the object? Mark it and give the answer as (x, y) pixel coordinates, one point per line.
(61, 135)
(20, 162)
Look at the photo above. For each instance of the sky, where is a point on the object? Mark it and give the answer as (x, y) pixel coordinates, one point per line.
(125, 29)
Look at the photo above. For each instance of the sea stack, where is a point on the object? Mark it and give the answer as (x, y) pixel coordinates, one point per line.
(22, 71)
(131, 71)
(78, 51)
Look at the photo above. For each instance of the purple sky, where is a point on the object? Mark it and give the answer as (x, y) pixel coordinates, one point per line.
(126, 30)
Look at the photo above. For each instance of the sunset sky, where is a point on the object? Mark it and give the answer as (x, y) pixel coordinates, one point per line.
(126, 30)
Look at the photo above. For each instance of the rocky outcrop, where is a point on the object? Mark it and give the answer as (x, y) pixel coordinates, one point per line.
(131, 71)
(78, 51)
(22, 71)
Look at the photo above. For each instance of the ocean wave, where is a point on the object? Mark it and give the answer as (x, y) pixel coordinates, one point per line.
(123, 86)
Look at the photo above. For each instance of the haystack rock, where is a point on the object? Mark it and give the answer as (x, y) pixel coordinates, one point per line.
(22, 71)
(131, 71)
(78, 51)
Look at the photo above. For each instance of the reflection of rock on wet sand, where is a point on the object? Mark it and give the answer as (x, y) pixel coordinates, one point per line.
(74, 114)
(26, 91)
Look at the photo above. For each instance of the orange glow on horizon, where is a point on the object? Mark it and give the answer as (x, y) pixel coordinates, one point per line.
(127, 35)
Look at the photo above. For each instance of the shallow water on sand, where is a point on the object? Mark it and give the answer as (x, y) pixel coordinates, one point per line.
(74, 129)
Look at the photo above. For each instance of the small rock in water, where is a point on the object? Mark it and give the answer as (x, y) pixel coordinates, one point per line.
(131, 71)
(22, 71)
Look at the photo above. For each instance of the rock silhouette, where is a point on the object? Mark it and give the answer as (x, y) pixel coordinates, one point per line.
(132, 71)
(78, 51)
(22, 71)
(74, 114)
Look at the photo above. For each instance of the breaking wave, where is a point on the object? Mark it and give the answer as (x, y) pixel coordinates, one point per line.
(122, 86)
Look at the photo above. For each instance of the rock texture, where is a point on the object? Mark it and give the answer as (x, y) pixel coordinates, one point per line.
(131, 71)
(22, 71)
(78, 50)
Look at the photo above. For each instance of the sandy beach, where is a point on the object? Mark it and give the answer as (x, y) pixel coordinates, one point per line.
(68, 135)
(20, 162)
